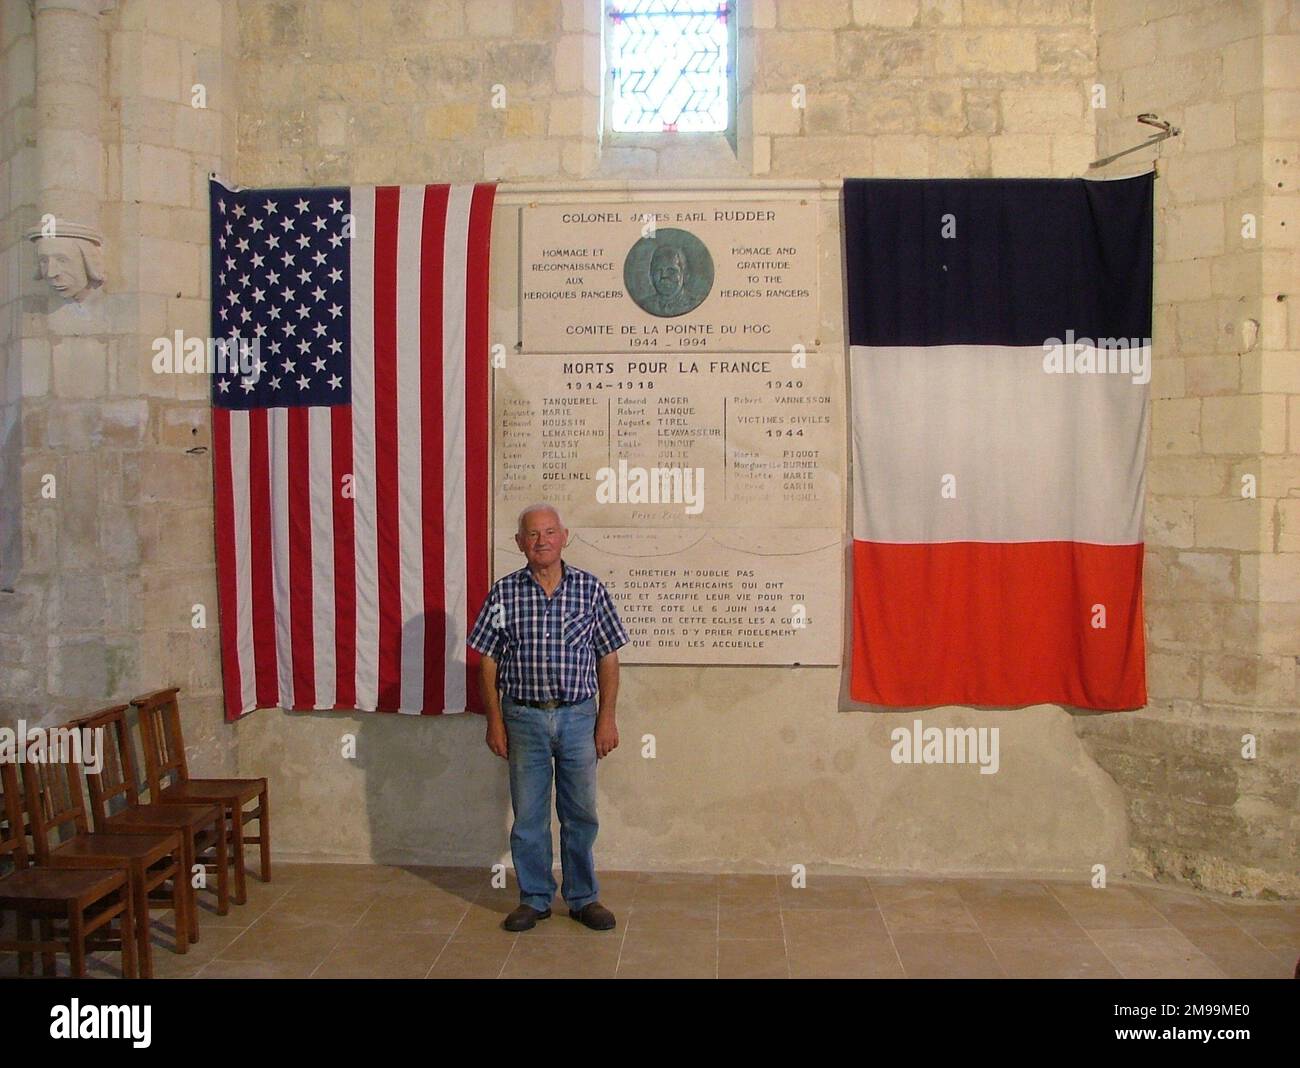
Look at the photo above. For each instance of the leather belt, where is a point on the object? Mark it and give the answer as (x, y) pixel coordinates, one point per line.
(548, 705)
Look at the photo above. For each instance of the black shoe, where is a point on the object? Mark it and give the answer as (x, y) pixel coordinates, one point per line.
(594, 915)
(525, 918)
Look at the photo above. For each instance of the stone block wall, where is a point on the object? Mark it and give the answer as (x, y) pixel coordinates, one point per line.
(1222, 568)
(114, 560)
(385, 91)
(98, 586)
(398, 92)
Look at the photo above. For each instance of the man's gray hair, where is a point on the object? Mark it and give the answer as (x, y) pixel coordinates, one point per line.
(540, 506)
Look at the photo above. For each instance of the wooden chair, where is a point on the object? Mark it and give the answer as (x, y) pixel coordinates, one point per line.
(202, 827)
(56, 805)
(168, 776)
(87, 901)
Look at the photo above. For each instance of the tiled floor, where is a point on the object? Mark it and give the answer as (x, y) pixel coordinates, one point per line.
(329, 921)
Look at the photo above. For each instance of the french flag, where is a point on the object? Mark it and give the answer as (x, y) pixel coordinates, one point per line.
(1000, 358)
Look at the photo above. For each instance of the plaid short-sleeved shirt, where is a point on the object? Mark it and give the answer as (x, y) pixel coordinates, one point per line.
(546, 648)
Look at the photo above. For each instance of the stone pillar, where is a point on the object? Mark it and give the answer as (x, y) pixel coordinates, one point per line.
(70, 50)
(62, 566)
(18, 168)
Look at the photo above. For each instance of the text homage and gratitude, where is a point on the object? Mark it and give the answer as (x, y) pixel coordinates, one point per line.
(721, 277)
(699, 470)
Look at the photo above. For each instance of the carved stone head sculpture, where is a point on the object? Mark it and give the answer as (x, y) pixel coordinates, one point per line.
(69, 257)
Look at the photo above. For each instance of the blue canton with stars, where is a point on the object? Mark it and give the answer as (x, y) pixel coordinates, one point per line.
(280, 280)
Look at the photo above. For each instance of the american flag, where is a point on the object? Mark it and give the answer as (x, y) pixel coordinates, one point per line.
(350, 465)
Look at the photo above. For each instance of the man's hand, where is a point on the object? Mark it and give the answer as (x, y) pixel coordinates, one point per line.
(606, 736)
(496, 737)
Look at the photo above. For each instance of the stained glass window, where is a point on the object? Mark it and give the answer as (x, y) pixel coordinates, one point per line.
(669, 65)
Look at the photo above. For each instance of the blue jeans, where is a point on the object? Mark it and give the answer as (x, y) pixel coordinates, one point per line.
(540, 740)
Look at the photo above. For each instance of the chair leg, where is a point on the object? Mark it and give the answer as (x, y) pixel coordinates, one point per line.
(24, 926)
(187, 878)
(223, 867)
(48, 964)
(237, 841)
(179, 912)
(142, 922)
(264, 833)
(126, 923)
(76, 942)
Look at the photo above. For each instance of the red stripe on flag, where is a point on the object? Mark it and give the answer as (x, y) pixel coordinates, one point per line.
(477, 422)
(261, 550)
(387, 534)
(345, 559)
(300, 561)
(431, 431)
(950, 623)
(227, 587)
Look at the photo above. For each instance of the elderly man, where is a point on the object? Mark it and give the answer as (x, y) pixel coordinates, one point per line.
(548, 634)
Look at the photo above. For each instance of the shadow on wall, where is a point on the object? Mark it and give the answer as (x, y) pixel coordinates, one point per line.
(433, 793)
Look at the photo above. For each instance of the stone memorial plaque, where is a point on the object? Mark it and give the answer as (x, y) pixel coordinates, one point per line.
(722, 276)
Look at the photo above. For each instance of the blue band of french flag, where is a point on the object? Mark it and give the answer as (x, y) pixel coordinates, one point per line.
(1000, 360)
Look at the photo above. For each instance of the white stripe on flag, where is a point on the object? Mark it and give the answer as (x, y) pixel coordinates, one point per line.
(321, 492)
(278, 454)
(1032, 455)
(409, 498)
(243, 557)
(455, 260)
(361, 256)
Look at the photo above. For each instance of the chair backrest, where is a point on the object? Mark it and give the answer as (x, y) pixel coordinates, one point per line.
(55, 802)
(13, 827)
(116, 778)
(164, 745)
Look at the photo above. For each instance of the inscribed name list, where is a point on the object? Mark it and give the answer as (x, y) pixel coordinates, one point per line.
(702, 489)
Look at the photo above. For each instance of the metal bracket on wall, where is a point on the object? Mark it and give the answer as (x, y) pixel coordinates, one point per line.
(1147, 118)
